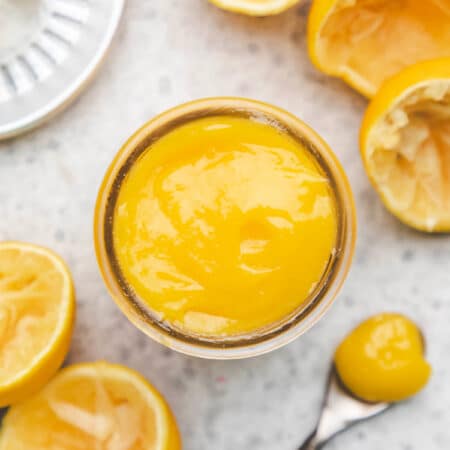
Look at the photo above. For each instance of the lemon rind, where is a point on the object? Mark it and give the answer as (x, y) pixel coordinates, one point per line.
(240, 6)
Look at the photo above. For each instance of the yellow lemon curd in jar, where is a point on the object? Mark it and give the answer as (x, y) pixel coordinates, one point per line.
(224, 225)
(382, 360)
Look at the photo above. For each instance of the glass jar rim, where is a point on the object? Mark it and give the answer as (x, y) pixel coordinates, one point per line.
(262, 340)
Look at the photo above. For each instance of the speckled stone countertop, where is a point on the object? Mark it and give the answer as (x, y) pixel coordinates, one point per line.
(171, 51)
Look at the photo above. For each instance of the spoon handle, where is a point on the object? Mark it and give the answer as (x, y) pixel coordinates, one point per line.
(311, 442)
(340, 411)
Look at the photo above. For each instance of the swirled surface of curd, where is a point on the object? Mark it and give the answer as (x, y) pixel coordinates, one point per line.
(225, 225)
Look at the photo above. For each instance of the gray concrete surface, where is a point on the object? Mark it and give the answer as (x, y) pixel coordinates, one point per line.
(171, 51)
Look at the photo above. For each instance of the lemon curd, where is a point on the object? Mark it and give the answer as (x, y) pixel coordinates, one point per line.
(224, 225)
(382, 360)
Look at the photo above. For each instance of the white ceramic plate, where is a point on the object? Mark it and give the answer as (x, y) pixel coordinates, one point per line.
(49, 50)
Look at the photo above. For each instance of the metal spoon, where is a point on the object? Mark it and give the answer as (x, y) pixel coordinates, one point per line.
(340, 411)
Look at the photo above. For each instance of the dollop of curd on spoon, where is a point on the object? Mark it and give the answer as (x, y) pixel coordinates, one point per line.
(224, 225)
(382, 360)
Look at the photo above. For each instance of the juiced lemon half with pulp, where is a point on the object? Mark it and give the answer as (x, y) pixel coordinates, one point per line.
(365, 42)
(96, 406)
(405, 145)
(37, 309)
(255, 7)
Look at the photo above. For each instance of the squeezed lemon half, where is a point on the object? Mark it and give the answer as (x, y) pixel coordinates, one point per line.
(37, 307)
(91, 406)
(364, 42)
(255, 7)
(405, 145)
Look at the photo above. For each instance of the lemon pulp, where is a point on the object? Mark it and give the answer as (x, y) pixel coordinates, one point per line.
(405, 144)
(382, 359)
(30, 291)
(36, 318)
(367, 41)
(410, 155)
(224, 225)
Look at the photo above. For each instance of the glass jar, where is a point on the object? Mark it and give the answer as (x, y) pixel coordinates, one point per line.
(270, 337)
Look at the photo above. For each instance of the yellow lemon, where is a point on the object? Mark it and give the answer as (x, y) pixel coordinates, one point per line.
(37, 308)
(382, 359)
(364, 42)
(405, 145)
(92, 406)
(255, 7)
